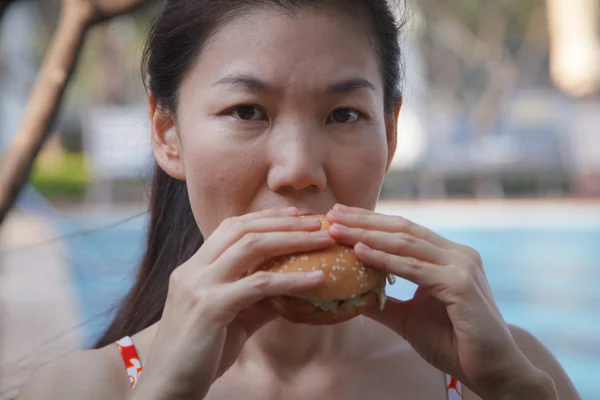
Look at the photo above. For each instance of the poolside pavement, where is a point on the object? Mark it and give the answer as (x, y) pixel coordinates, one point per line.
(37, 308)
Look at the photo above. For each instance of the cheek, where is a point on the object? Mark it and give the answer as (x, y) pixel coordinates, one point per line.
(357, 173)
(221, 180)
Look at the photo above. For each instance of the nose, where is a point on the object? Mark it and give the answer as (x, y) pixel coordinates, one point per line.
(297, 161)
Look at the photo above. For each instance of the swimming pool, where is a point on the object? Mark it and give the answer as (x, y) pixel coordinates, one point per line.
(546, 278)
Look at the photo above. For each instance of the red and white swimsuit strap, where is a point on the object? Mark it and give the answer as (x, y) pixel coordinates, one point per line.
(134, 368)
(454, 388)
(130, 358)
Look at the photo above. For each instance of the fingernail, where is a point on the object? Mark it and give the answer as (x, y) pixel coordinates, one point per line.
(310, 222)
(340, 207)
(363, 247)
(320, 234)
(314, 275)
(340, 228)
(290, 211)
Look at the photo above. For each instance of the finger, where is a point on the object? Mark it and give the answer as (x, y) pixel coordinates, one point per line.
(233, 229)
(401, 244)
(386, 223)
(254, 249)
(421, 273)
(394, 315)
(249, 290)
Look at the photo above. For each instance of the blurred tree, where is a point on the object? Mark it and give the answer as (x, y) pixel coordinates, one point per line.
(75, 19)
(477, 34)
(479, 51)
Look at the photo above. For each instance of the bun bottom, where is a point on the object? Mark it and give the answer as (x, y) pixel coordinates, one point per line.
(303, 312)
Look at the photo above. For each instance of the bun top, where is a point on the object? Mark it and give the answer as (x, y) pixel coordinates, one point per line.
(345, 276)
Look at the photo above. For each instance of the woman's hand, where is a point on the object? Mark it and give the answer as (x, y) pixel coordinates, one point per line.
(453, 321)
(214, 302)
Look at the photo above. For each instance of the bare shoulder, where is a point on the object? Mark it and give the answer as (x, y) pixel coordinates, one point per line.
(89, 374)
(542, 358)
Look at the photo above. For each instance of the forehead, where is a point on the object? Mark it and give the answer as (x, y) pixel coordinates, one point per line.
(312, 47)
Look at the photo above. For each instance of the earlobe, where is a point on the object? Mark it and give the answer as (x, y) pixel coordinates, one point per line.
(392, 133)
(165, 142)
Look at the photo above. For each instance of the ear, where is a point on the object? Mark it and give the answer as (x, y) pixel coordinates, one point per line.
(391, 128)
(165, 142)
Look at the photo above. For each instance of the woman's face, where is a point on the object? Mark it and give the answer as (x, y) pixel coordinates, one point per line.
(280, 111)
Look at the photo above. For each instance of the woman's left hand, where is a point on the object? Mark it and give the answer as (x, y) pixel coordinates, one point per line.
(453, 321)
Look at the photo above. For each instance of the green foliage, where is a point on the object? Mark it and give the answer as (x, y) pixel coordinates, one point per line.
(63, 177)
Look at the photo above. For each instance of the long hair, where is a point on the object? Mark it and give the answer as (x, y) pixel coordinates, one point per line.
(176, 38)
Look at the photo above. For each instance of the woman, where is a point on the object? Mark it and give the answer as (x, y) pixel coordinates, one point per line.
(263, 111)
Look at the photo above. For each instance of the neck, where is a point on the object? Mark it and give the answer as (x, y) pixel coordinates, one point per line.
(281, 345)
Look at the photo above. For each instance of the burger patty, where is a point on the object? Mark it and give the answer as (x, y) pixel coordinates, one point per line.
(353, 302)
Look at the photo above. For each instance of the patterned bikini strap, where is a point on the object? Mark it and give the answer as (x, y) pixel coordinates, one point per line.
(130, 358)
(454, 388)
(134, 368)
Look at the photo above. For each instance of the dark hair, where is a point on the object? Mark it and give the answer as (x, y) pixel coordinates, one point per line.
(174, 42)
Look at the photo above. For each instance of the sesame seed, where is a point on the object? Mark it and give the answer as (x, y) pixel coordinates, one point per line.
(354, 269)
(314, 268)
(304, 258)
(333, 277)
(300, 269)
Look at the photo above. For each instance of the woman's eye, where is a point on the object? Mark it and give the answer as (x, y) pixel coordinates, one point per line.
(344, 116)
(248, 113)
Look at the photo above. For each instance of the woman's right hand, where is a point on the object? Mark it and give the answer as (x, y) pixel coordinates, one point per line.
(214, 305)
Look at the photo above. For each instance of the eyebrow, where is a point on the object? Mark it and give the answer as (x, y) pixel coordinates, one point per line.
(350, 85)
(258, 85)
(250, 82)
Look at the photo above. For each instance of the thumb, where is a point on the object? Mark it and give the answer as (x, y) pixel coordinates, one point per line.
(394, 315)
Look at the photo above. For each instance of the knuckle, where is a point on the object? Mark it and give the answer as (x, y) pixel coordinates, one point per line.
(251, 241)
(404, 239)
(405, 225)
(181, 287)
(463, 278)
(176, 279)
(414, 264)
(469, 252)
(475, 256)
(234, 224)
(199, 299)
(262, 280)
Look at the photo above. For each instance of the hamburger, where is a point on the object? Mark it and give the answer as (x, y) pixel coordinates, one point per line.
(349, 289)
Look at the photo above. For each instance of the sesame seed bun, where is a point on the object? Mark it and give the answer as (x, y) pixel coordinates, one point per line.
(349, 289)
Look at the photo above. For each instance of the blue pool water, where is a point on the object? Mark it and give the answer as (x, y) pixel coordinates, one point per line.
(545, 280)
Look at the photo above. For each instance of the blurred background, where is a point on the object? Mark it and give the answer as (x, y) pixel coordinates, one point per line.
(499, 149)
